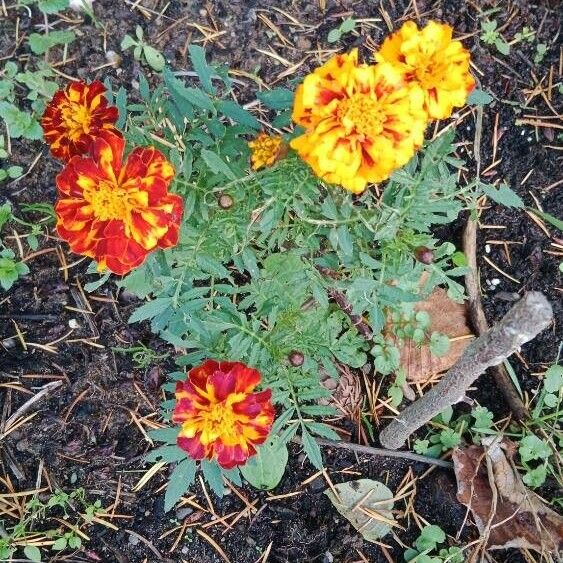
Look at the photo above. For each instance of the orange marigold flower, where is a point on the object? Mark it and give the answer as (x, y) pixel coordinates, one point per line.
(221, 417)
(117, 213)
(266, 149)
(437, 64)
(75, 117)
(362, 122)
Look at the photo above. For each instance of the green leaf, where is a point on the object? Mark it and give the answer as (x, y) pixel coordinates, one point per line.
(553, 378)
(180, 481)
(449, 438)
(52, 6)
(59, 544)
(168, 435)
(238, 114)
(334, 35)
(20, 123)
(502, 46)
(535, 477)
(312, 449)
(557, 223)
(33, 553)
(532, 448)
(375, 496)
(40, 44)
(503, 195)
(277, 99)
(439, 344)
(483, 417)
(348, 25)
(265, 470)
(154, 58)
(150, 309)
(214, 476)
(216, 164)
(203, 70)
(168, 454)
(479, 98)
(127, 42)
(430, 537)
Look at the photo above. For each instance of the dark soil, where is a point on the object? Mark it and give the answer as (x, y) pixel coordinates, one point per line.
(84, 431)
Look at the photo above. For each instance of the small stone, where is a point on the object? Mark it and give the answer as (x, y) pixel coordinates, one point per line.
(202, 12)
(328, 557)
(8, 343)
(488, 248)
(133, 540)
(113, 58)
(495, 281)
(74, 324)
(80, 5)
(303, 43)
(181, 513)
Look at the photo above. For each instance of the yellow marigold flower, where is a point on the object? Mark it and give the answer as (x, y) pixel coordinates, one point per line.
(437, 64)
(266, 149)
(362, 122)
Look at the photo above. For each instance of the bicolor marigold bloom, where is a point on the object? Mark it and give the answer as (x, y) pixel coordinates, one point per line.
(362, 122)
(221, 416)
(75, 117)
(437, 64)
(117, 212)
(266, 150)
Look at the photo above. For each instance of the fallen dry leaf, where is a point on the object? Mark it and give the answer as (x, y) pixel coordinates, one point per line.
(506, 512)
(446, 317)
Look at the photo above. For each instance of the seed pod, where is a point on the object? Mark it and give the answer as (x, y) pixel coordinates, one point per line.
(424, 254)
(296, 359)
(226, 201)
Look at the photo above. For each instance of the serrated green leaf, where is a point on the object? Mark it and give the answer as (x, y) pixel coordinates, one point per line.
(216, 164)
(154, 58)
(238, 114)
(181, 479)
(278, 98)
(213, 476)
(479, 98)
(150, 309)
(503, 195)
(312, 449)
(168, 454)
(168, 435)
(52, 6)
(203, 70)
(40, 43)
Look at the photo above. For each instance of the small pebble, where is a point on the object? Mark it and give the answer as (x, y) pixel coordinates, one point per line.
(181, 513)
(495, 282)
(80, 5)
(328, 558)
(73, 323)
(113, 58)
(529, 139)
(488, 248)
(8, 343)
(133, 540)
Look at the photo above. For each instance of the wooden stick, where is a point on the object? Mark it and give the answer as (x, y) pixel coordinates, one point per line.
(524, 321)
(479, 322)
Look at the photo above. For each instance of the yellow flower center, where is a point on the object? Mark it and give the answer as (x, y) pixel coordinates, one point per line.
(429, 72)
(219, 421)
(363, 114)
(76, 118)
(108, 201)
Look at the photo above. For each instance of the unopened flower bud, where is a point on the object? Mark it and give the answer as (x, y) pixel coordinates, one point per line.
(226, 201)
(296, 359)
(424, 254)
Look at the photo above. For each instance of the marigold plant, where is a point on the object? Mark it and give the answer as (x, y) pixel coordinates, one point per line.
(221, 417)
(117, 212)
(361, 121)
(431, 59)
(75, 117)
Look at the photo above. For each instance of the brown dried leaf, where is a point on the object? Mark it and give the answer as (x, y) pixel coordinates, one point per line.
(346, 393)
(447, 317)
(517, 517)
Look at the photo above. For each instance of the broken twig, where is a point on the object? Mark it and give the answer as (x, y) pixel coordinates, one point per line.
(524, 321)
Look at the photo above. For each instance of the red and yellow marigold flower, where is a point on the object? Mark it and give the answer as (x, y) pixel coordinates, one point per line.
(117, 212)
(222, 417)
(439, 65)
(75, 117)
(362, 121)
(266, 150)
